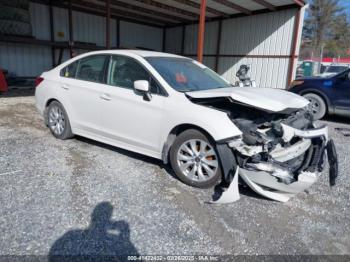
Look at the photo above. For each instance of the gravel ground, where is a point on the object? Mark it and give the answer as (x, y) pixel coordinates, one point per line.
(71, 196)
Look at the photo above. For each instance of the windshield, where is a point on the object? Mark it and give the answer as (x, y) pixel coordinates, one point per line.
(336, 69)
(186, 75)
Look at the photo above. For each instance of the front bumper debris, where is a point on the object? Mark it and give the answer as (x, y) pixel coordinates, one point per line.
(274, 179)
(333, 162)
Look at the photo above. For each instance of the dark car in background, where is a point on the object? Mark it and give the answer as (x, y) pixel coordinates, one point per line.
(327, 95)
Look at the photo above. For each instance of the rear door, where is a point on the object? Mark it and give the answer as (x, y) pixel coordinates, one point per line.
(127, 117)
(83, 91)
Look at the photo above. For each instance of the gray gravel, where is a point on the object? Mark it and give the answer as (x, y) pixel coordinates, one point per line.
(51, 190)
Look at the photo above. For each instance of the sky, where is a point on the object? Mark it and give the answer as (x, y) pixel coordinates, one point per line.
(346, 4)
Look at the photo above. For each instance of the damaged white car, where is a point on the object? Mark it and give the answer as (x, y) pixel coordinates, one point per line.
(178, 110)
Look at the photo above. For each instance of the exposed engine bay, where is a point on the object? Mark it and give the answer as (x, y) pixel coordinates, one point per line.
(279, 153)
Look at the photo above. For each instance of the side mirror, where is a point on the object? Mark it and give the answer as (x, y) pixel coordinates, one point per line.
(142, 86)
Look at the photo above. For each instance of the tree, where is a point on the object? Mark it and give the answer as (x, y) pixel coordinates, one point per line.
(322, 19)
(339, 42)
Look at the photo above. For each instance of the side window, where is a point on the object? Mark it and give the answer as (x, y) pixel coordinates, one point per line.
(70, 70)
(92, 68)
(124, 71)
(345, 75)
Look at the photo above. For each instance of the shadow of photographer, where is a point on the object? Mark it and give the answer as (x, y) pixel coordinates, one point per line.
(103, 238)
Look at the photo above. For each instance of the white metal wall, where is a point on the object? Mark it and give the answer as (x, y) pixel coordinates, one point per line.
(25, 60)
(210, 40)
(268, 34)
(267, 72)
(39, 17)
(173, 40)
(92, 29)
(60, 24)
(136, 35)
(31, 60)
(265, 34)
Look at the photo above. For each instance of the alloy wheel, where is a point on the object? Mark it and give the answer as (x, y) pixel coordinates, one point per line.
(56, 120)
(197, 160)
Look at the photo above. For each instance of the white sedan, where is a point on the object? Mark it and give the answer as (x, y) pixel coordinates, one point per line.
(175, 109)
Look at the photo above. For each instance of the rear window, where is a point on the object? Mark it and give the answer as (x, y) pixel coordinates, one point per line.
(92, 68)
(70, 70)
(336, 69)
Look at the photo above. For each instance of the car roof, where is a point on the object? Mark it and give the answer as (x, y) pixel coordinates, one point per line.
(145, 53)
(142, 53)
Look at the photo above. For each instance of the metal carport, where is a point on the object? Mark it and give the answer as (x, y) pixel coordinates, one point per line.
(221, 33)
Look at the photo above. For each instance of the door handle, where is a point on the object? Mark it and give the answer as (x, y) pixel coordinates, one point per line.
(105, 97)
(64, 86)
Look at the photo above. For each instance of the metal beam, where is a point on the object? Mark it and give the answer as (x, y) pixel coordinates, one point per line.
(218, 45)
(201, 31)
(52, 35)
(164, 39)
(70, 27)
(147, 11)
(243, 55)
(60, 55)
(95, 7)
(294, 46)
(118, 33)
(168, 8)
(196, 5)
(256, 12)
(299, 3)
(234, 6)
(99, 13)
(108, 24)
(183, 35)
(33, 41)
(265, 4)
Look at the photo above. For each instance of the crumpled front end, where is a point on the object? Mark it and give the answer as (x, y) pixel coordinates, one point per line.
(279, 156)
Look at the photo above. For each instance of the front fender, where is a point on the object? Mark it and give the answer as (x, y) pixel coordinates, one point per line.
(215, 122)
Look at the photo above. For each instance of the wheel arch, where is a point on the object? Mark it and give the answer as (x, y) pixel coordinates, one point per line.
(49, 101)
(177, 130)
(47, 104)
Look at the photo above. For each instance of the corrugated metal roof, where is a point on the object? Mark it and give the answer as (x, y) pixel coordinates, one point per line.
(169, 12)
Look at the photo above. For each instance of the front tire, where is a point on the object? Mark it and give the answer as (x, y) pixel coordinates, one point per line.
(194, 159)
(318, 106)
(58, 121)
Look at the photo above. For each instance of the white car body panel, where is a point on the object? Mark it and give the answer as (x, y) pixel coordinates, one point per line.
(122, 117)
(271, 99)
(126, 120)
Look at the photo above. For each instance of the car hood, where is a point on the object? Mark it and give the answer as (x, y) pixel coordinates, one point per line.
(269, 99)
(313, 78)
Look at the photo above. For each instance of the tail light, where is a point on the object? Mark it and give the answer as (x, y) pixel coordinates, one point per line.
(38, 80)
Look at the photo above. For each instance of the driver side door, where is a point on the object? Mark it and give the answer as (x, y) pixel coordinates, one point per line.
(128, 118)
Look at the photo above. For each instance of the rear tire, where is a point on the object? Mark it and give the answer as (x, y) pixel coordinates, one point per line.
(58, 121)
(318, 105)
(194, 159)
